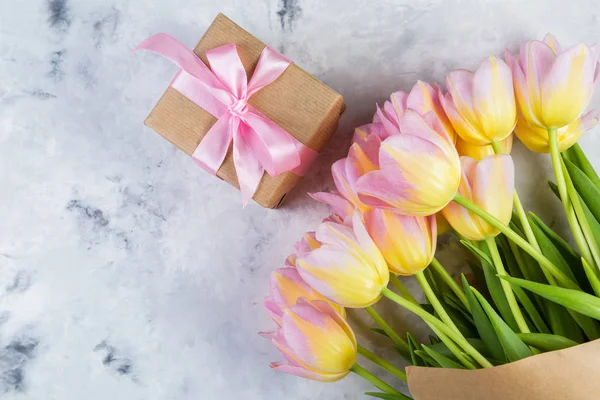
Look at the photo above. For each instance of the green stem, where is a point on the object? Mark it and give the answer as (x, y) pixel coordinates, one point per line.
(519, 241)
(435, 302)
(564, 196)
(402, 289)
(397, 372)
(397, 339)
(496, 146)
(508, 292)
(581, 217)
(451, 282)
(454, 349)
(378, 383)
(524, 220)
(439, 325)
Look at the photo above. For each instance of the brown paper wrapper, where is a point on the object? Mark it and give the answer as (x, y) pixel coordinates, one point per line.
(306, 108)
(566, 374)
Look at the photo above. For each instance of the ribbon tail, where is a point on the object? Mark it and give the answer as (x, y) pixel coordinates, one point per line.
(248, 169)
(213, 148)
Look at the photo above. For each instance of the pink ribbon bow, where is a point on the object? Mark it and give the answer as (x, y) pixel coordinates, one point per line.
(259, 144)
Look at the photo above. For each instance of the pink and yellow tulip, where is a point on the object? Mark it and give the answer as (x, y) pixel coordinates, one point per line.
(481, 105)
(489, 184)
(407, 243)
(419, 170)
(553, 87)
(347, 268)
(481, 152)
(286, 288)
(423, 98)
(316, 342)
(536, 138)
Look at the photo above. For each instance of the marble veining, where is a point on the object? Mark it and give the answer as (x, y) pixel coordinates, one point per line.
(126, 272)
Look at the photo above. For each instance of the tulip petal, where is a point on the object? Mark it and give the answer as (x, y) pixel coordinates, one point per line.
(567, 88)
(493, 186)
(307, 374)
(407, 243)
(338, 204)
(551, 41)
(316, 340)
(333, 313)
(341, 277)
(463, 127)
(342, 182)
(536, 59)
(388, 125)
(359, 163)
(494, 99)
(370, 248)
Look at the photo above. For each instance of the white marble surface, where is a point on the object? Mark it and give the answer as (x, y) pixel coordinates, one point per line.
(126, 272)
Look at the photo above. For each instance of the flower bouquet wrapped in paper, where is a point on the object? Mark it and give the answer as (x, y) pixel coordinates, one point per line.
(525, 324)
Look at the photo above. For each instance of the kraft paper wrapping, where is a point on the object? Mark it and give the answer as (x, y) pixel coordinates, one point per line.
(306, 108)
(572, 373)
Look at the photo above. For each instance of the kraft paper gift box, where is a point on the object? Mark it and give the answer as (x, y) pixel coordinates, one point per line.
(296, 102)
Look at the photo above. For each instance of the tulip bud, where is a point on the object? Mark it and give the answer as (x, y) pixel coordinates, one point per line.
(286, 288)
(419, 170)
(348, 268)
(481, 105)
(316, 342)
(489, 184)
(407, 243)
(553, 87)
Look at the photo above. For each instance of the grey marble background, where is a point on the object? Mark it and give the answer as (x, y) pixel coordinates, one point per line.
(126, 272)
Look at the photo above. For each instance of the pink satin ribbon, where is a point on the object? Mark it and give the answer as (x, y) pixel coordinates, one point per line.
(259, 144)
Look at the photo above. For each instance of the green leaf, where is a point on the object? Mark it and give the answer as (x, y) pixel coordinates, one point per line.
(586, 188)
(592, 277)
(478, 344)
(414, 346)
(529, 267)
(482, 323)
(456, 304)
(577, 157)
(466, 328)
(561, 323)
(476, 251)
(508, 256)
(594, 225)
(513, 347)
(386, 396)
(429, 361)
(498, 297)
(546, 342)
(570, 256)
(444, 361)
(532, 312)
(575, 300)
(565, 249)
(380, 331)
(550, 251)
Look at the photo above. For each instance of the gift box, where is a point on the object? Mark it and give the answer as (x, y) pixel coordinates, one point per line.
(294, 105)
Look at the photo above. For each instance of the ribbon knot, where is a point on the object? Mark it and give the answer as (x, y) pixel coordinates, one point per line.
(239, 107)
(223, 90)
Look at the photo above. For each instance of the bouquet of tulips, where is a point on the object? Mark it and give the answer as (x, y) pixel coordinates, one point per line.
(431, 159)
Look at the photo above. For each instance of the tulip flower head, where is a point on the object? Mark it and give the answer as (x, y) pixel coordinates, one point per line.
(286, 288)
(489, 184)
(362, 158)
(481, 152)
(407, 243)
(316, 342)
(423, 99)
(553, 87)
(419, 169)
(481, 105)
(348, 268)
